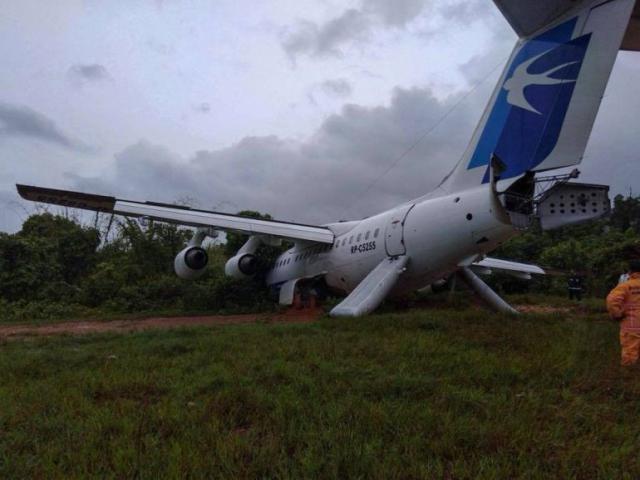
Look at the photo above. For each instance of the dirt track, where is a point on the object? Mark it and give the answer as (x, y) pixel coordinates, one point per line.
(135, 325)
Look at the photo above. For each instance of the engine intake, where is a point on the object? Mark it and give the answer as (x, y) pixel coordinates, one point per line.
(241, 266)
(191, 262)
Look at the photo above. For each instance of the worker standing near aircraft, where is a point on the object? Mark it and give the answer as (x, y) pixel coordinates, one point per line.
(574, 286)
(623, 304)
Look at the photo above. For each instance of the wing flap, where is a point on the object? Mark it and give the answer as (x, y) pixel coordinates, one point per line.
(177, 214)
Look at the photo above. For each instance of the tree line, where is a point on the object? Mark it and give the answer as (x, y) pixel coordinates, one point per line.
(57, 265)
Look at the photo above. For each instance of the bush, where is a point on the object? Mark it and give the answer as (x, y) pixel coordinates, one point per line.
(55, 267)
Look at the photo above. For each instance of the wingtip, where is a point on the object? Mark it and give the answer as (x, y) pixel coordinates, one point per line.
(22, 190)
(66, 198)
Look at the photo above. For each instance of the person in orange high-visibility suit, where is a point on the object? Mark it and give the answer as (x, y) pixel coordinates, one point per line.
(623, 304)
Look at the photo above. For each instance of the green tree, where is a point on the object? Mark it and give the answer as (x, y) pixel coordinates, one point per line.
(46, 258)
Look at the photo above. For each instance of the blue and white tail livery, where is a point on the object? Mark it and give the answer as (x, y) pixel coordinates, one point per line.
(543, 109)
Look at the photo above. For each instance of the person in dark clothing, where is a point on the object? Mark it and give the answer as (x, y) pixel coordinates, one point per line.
(574, 286)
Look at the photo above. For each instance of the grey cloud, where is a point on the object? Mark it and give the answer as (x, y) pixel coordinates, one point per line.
(339, 171)
(21, 121)
(353, 25)
(356, 25)
(324, 40)
(467, 11)
(13, 211)
(397, 13)
(321, 179)
(160, 47)
(338, 87)
(88, 73)
(203, 107)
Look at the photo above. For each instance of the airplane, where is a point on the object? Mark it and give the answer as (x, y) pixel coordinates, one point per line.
(538, 119)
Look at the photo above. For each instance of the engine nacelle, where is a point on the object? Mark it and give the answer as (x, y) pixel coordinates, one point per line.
(191, 262)
(242, 265)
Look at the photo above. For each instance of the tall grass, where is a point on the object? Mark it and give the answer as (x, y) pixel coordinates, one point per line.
(437, 394)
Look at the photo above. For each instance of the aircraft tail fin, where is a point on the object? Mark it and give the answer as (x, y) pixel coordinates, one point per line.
(542, 111)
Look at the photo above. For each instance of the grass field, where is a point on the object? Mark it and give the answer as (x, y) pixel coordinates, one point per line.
(422, 394)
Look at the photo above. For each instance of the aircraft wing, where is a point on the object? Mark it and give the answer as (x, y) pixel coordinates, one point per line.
(526, 18)
(177, 214)
(517, 269)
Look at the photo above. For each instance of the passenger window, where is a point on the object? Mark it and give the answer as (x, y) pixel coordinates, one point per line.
(375, 234)
(359, 237)
(344, 241)
(350, 239)
(366, 235)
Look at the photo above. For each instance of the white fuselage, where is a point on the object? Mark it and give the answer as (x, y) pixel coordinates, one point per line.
(436, 233)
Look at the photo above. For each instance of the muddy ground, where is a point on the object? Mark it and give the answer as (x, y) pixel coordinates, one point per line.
(84, 327)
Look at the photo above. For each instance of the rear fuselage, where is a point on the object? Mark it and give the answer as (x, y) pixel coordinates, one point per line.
(437, 234)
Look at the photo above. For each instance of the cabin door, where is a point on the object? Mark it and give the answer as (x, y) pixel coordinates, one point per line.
(394, 231)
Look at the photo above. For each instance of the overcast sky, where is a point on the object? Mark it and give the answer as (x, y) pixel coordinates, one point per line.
(296, 108)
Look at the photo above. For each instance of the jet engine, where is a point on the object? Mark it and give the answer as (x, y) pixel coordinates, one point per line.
(241, 266)
(191, 262)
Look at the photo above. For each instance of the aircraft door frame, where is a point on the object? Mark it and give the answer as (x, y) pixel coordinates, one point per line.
(394, 232)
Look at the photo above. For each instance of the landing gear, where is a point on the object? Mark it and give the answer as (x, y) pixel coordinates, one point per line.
(485, 292)
(309, 295)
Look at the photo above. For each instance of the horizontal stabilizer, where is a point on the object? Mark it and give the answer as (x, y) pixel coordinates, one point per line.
(631, 39)
(373, 289)
(508, 266)
(177, 214)
(526, 18)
